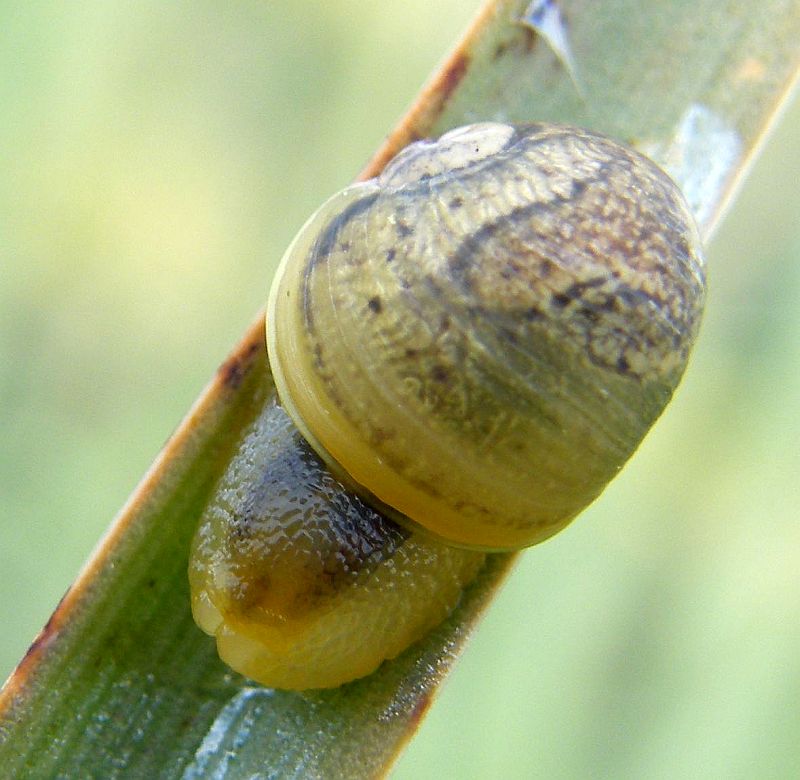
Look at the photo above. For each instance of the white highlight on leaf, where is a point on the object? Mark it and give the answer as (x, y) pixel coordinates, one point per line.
(545, 19)
(227, 734)
(702, 155)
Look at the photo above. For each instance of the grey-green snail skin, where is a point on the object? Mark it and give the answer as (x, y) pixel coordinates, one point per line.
(472, 344)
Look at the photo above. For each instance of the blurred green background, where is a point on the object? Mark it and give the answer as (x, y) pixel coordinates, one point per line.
(156, 158)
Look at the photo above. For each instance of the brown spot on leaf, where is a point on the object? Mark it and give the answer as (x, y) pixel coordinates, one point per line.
(451, 76)
(39, 646)
(235, 369)
(525, 42)
(420, 708)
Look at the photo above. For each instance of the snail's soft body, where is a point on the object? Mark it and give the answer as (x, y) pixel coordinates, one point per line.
(474, 342)
(302, 583)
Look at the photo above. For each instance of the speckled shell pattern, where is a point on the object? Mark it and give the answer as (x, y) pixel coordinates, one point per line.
(481, 337)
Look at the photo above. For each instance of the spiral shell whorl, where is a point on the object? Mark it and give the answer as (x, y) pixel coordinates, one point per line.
(481, 337)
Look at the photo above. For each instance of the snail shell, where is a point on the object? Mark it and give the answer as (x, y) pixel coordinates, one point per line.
(478, 339)
(474, 343)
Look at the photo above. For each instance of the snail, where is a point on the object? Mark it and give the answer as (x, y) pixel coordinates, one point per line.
(466, 350)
